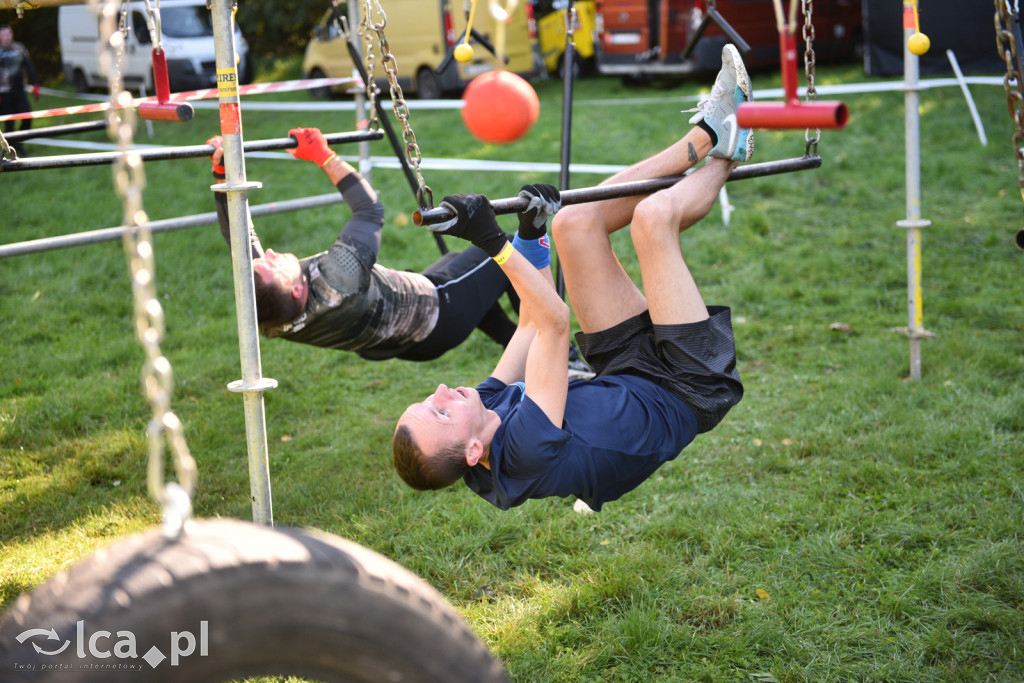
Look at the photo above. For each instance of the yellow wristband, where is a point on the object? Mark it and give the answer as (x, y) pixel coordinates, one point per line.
(504, 254)
(328, 159)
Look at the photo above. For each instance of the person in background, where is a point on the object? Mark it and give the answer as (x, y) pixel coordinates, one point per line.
(15, 67)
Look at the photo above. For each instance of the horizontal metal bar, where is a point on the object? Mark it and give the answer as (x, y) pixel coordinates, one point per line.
(54, 131)
(617, 190)
(165, 153)
(79, 239)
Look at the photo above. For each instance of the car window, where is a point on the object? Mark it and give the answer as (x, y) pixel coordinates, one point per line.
(140, 28)
(186, 22)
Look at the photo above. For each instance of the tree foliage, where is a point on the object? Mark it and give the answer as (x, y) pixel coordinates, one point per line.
(279, 28)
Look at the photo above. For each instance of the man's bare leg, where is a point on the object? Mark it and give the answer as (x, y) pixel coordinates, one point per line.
(672, 294)
(600, 291)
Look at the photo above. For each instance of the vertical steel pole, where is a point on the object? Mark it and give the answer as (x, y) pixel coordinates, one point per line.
(568, 76)
(913, 223)
(365, 163)
(253, 384)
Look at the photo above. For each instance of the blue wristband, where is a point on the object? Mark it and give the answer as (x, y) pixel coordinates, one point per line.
(537, 252)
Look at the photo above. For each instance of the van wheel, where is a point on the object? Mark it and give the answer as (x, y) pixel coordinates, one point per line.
(577, 66)
(428, 84)
(81, 85)
(231, 599)
(245, 77)
(321, 93)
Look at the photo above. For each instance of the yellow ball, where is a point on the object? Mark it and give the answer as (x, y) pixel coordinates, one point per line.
(919, 43)
(464, 52)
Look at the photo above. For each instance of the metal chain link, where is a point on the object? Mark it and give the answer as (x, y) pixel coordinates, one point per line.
(164, 430)
(369, 64)
(153, 22)
(424, 196)
(7, 151)
(812, 93)
(1006, 41)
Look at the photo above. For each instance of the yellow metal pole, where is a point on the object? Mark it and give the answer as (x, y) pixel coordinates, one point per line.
(913, 223)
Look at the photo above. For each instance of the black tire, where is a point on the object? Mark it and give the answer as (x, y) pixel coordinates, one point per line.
(324, 92)
(577, 67)
(81, 85)
(246, 75)
(276, 602)
(428, 84)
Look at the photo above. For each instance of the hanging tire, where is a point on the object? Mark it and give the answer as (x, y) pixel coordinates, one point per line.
(232, 599)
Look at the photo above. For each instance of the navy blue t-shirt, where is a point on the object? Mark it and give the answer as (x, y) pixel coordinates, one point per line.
(617, 430)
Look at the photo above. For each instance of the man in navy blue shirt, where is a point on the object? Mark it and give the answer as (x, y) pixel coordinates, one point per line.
(665, 362)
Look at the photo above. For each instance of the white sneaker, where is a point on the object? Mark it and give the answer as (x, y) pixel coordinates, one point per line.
(718, 109)
(579, 368)
(581, 507)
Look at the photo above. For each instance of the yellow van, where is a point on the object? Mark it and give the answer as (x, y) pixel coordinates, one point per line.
(550, 17)
(421, 35)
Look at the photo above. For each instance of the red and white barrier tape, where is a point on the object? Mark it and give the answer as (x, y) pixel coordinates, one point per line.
(208, 93)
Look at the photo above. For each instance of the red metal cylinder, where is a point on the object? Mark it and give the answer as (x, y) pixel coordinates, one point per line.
(787, 53)
(786, 115)
(166, 111)
(160, 81)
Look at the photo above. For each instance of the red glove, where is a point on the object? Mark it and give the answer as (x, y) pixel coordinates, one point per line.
(35, 91)
(312, 146)
(218, 155)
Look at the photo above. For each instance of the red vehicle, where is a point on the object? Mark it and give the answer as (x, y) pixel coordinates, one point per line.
(640, 37)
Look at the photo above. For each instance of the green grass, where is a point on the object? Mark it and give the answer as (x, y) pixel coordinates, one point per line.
(841, 524)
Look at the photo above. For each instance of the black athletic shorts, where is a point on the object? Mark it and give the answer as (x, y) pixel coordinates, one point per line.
(695, 361)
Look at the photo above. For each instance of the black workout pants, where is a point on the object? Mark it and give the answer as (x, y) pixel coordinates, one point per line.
(469, 284)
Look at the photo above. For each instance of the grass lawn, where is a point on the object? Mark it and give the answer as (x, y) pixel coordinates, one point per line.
(842, 523)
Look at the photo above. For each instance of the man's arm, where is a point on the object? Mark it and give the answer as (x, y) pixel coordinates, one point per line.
(364, 227)
(217, 158)
(539, 350)
(30, 72)
(545, 336)
(531, 241)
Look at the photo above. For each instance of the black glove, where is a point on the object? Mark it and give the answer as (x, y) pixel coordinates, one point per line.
(474, 221)
(545, 200)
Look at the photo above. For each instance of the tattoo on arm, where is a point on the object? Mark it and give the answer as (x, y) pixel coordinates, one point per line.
(692, 153)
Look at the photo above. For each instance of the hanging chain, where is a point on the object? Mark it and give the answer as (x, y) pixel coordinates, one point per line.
(153, 22)
(812, 93)
(424, 196)
(7, 151)
(164, 429)
(366, 34)
(1006, 40)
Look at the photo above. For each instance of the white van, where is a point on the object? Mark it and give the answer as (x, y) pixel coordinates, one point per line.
(186, 29)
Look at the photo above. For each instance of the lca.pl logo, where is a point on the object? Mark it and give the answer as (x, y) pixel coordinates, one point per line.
(104, 645)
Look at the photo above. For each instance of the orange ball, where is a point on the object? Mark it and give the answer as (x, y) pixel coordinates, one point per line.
(499, 107)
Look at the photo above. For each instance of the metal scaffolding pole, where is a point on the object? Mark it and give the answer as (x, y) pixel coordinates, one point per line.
(166, 153)
(362, 123)
(631, 189)
(253, 384)
(79, 239)
(913, 223)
